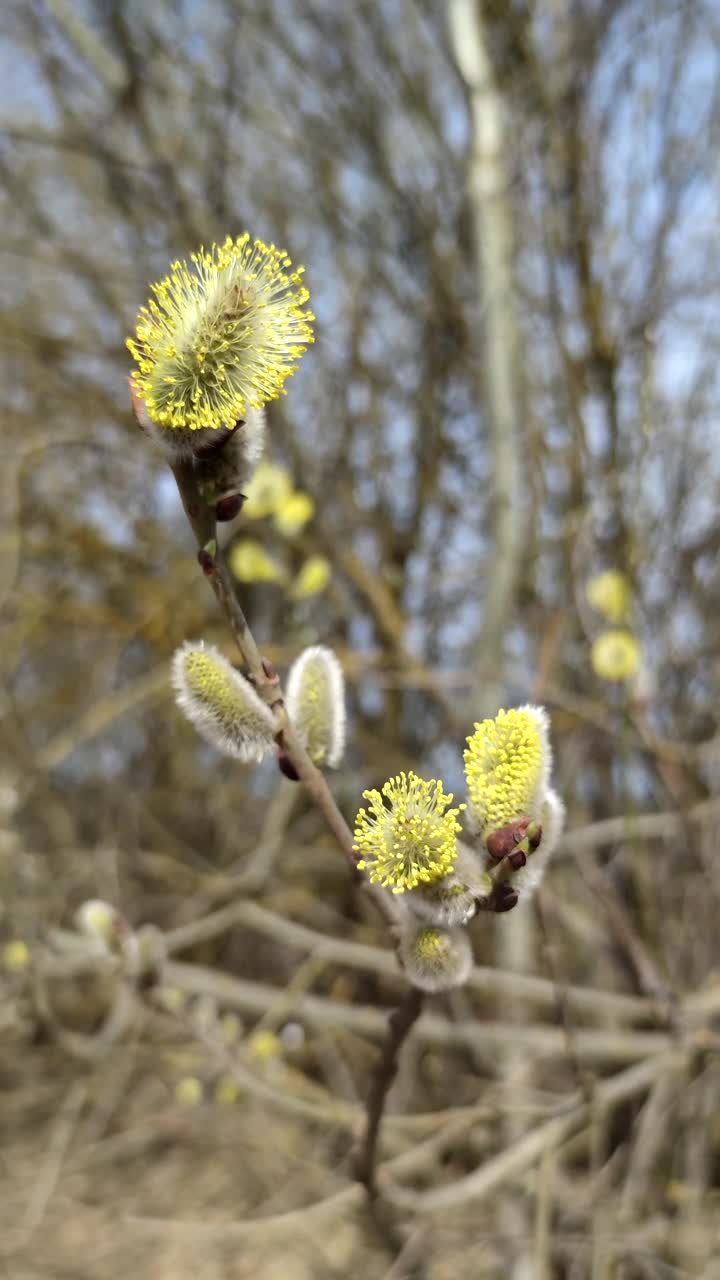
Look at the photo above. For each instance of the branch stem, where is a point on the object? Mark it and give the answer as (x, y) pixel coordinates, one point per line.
(400, 1025)
(204, 526)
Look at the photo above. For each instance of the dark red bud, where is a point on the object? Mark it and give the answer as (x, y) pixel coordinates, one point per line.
(517, 859)
(504, 898)
(502, 842)
(228, 507)
(206, 562)
(287, 767)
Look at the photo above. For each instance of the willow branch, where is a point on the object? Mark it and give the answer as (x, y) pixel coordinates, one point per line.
(204, 526)
(515, 1160)
(601, 1045)
(399, 1026)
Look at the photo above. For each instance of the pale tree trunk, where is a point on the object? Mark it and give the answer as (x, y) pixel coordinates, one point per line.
(492, 230)
(492, 227)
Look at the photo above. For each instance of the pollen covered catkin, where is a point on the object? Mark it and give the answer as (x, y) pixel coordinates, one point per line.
(408, 834)
(220, 335)
(507, 768)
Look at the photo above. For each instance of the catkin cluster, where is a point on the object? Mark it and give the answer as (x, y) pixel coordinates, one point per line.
(407, 842)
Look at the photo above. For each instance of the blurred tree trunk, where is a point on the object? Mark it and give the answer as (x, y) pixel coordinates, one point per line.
(493, 250)
(493, 247)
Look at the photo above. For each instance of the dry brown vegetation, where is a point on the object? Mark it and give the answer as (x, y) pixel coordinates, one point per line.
(508, 218)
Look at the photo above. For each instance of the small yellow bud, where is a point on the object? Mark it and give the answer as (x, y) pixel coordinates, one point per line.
(16, 956)
(227, 1091)
(315, 703)
(313, 578)
(268, 491)
(99, 921)
(435, 959)
(172, 999)
(294, 513)
(610, 593)
(189, 1092)
(615, 655)
(265, 1045)
(250, 562)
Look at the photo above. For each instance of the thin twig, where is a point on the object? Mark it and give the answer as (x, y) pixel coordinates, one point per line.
(204, 526)
(602, 1045)
(359, 955)
(124, 1010)
(47, 1178)
(514, 1160)
(583, 1078)
(644, 826)
(620, 921)
(651, 1134)
(419, 1156)
(399, 1026)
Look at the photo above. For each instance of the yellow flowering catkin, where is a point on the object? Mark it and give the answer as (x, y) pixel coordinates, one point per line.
(220, 335)
(221, 703)
(507, 767)
(408, 834)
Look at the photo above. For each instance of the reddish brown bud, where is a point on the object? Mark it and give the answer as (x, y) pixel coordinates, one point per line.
(206, 562)
(517, 859)
(504, 898)
(287, 767)
(228, 507)
(502, 842)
